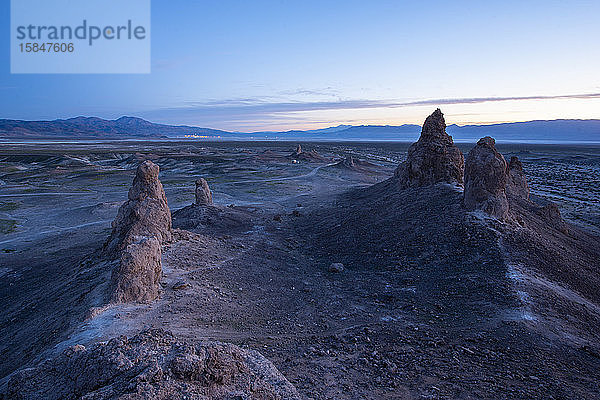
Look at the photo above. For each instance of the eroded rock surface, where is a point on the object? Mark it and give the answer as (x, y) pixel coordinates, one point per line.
(145, 213)
(203, 193)
(310, 156)
(349, 162)
(517, 181)
(137, 275)
(551, 214)
(486, 177)
(433, 158)
(152, 365)
(142, 225)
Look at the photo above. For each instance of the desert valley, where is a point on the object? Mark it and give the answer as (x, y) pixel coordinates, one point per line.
(276, 270)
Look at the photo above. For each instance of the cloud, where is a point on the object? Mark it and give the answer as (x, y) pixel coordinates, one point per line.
(245, 112)
(474, 100)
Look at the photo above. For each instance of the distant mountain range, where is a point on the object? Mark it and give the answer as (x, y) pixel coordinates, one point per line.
(97, 128)
(136, 128)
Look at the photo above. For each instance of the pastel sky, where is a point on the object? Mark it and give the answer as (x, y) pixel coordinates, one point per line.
(276, 65)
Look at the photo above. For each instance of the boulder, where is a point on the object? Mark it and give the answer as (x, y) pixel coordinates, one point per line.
(203, 193)
(152, 365)
(433, 158)
(486, 177)
(137, 275)
(145, 213)
(517, 181)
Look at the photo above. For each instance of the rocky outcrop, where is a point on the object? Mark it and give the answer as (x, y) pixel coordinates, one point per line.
(145, 213)
(433, 158)
(310, 156)
(206, 218)
(550, 213)
(486, 177)
(142, 225)
(203, 193)
(517, 181)
(152, 365)
(298, 150)
(500, 189)
(349, 162)
(137, 275)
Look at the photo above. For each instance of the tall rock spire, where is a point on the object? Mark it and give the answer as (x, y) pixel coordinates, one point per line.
(433, 158)
(142, 225)
(145, 213)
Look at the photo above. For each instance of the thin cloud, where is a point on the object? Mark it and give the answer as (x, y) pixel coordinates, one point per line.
(474, 100)
(243, 112)
(255, 105)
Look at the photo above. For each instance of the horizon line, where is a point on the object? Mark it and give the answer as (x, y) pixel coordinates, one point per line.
(332, 124)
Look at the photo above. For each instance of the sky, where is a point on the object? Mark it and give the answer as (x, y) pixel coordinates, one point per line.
(278, 65)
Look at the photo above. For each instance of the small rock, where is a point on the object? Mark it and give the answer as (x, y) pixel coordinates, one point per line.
(336, 267)
(181, 285)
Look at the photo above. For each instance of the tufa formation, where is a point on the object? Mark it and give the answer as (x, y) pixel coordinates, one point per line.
(142, 225)
(203, 193)
(298, 150)
(433, 158)
(136, 277)
(500, 189)
(145, 213)
(152, 365)
(349, 162)
(517, 181)
(551, 214)
(486, 177)
(310, 156)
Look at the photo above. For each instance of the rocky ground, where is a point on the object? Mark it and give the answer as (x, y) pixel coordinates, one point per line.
(433, 301)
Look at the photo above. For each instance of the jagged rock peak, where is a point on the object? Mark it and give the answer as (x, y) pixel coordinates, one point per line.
(433, 158)
(517, 182)
(435, 126)
(488, 141)
(486, 177)
(203, 193)
(145, 213)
